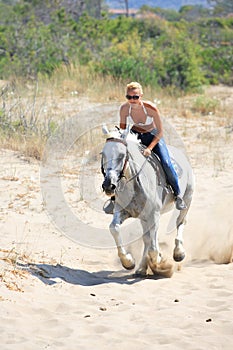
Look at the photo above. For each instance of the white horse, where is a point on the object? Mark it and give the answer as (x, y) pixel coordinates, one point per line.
(141, 191)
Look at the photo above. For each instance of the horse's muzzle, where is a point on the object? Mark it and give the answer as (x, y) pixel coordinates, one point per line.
(108, 187)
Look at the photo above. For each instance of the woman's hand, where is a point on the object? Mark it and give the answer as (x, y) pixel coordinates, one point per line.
(147, 152)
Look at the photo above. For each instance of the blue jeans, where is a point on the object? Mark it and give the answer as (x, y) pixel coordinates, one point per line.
(162, 152)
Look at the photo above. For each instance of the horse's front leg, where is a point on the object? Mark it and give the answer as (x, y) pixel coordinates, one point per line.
(151, 254)
(158, 265)
(126, 258)
(143, 266)
(154, 254)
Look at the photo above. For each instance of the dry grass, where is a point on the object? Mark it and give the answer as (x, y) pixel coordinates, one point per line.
(15, 267)
(30, 112)
(10, 274)
(75, 81)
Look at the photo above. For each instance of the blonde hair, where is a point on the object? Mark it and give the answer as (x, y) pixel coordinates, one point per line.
(134, 85)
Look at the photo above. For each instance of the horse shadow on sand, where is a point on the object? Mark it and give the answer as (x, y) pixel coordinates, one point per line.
(51, 274)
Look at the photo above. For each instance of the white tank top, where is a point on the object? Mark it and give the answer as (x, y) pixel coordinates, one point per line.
(149, 120)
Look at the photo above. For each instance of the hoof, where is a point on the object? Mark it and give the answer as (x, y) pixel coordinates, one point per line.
(178, 252)
(179, 257)
(140, 273)
(163, 269)
(129, 267)
(128, 262)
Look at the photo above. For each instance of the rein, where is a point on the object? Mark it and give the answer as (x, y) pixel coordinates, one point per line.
(114, 139)
(139, 171)
(126, 160)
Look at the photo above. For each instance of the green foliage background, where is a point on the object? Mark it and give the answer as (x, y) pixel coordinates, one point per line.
(180, 50)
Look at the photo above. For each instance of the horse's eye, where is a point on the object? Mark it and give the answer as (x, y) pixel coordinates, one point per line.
(121, 156)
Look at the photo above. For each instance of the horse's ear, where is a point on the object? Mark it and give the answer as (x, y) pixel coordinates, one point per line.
(125, 132)
(105, 129)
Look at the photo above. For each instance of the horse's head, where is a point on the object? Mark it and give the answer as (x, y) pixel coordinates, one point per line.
(114, 158)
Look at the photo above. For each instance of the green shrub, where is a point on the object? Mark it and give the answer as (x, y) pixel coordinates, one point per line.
(205, 105)
(37, 37)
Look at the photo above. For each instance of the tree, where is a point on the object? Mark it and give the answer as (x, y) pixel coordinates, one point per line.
(92, 7)
(223, 7)
(125, 3)
(127, 8)
(192, 13)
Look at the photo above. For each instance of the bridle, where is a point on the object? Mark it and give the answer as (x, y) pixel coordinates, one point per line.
(113, 139)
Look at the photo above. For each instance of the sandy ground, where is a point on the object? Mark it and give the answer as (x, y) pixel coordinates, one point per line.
(57, 293)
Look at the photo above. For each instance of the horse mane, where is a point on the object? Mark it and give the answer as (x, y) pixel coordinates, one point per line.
(114, 134)
(132, 138)
(122, 135)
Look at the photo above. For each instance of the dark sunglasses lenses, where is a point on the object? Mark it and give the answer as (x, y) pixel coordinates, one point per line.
(134, 97)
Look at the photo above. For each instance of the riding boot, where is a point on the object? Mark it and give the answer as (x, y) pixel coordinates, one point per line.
(180, 204)
(108, 209)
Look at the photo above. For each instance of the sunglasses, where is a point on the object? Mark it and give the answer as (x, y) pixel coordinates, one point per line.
(134, 97)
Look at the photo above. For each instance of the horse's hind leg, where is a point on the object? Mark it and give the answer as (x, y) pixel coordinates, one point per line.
(179, 251)
(126, 258)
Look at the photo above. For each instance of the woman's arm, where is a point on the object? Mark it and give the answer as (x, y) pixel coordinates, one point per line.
(159, 127)
(122, 117)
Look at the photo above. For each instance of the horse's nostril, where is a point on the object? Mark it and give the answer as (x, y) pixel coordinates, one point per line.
(108, 186)
(106, 183)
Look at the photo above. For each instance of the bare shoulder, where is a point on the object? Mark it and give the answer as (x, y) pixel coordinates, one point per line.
(151, 105)
(124, 107)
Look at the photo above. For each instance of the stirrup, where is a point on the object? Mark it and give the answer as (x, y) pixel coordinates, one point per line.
(108, 206)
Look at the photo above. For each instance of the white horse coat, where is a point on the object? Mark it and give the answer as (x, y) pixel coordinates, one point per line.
(140, 189)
